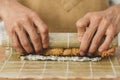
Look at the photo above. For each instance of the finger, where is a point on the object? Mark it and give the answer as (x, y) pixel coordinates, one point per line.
(108, 40)
(81, 27)
(23, 39)
(34, 37)
(16, 44)
(88, 36)
(42, 28)
(98, 36)
(44, 36)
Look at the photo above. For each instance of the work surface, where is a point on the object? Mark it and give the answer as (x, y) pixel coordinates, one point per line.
(13, 68)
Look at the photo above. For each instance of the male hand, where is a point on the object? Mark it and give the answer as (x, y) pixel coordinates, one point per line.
(21, 23)
(95, 26)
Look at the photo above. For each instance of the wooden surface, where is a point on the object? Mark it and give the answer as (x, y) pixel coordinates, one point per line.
(12, 68)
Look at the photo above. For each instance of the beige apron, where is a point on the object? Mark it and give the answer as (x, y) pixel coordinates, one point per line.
(61, 15)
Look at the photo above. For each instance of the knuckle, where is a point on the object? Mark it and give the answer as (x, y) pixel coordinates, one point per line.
(44, 30)
(44, 41)
(24, 19)
(105, 20)
(25, 43)
(15, 24)
(110, 35)
(16, 45)
(92, 49)
(106, 23)
(36, 38)
(96, 17)
(108, 32)
(17, 28)
(34, 14)
(111, 38)
(78, 23)
(38, 50)
(11, 32)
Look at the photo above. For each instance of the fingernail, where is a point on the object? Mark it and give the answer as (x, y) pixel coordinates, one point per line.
(45, 46)
(82, 53)
(89, 54)
(100, 50)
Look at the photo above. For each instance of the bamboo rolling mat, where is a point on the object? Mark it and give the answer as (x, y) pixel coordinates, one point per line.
(13, 67)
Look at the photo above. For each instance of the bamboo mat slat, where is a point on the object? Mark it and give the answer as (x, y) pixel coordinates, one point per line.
(13, 67)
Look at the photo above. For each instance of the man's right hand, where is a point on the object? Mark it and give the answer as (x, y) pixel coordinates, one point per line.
(21, 22)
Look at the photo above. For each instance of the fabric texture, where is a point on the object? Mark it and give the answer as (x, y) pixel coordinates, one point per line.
(61, 15)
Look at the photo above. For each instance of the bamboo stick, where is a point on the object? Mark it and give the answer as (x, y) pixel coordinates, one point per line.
(62, 44)
(56, 40)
